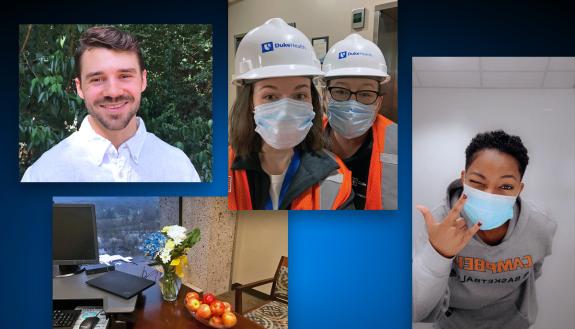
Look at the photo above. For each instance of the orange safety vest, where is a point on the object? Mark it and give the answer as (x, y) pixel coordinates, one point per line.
(382, 179)
(311, 199)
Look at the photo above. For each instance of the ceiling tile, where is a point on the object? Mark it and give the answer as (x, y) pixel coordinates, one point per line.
(446, 63)
(496, 72)
(559, 80)
(514, 63)
(562, 64)
(449, 79)
(512, 79)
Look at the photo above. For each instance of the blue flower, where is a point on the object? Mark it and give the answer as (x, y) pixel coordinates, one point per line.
(154, 243)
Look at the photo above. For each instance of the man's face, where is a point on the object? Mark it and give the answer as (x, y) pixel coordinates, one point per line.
(111, 85)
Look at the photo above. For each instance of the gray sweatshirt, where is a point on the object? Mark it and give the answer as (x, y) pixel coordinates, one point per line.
(487, 287)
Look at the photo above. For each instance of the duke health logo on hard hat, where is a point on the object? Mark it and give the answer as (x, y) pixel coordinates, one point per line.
(345, 54)
(271, 46)
(267, 46)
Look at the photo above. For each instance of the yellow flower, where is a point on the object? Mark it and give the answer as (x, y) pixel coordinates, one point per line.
(179, 264)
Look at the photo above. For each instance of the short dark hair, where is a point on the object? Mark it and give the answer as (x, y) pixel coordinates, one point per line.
(242, 135)
(107, 37)
(500, 141)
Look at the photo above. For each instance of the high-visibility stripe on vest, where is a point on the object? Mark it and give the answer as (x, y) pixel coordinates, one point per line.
(331, 193)
(382, 178)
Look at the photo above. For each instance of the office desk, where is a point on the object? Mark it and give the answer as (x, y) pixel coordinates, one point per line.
(150, 312)
(153, 313)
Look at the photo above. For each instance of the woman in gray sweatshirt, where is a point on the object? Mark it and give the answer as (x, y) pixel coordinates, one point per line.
(485, 246)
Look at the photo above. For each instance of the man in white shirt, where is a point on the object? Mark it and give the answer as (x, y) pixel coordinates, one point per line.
(112, 144)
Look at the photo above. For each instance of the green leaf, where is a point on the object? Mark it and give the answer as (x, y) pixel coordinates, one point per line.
(33, 85)
(179, 145)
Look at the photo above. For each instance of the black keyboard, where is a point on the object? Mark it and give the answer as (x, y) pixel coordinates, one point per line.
(64, 318)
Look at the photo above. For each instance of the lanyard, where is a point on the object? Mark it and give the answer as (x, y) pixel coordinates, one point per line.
(294, 164)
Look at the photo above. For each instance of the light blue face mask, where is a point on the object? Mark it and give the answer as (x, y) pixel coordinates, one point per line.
(491, 210)
(350, 118)
(284, 124)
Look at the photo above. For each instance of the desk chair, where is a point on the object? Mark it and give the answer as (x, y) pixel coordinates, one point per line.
(274, 313)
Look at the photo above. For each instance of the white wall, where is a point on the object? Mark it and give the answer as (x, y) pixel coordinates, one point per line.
(261, 240)
(315, 18)
(445, 120)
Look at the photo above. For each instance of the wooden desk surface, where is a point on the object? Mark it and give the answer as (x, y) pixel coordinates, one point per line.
(152, 312)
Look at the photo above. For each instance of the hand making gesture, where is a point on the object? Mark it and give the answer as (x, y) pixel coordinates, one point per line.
(451, 235)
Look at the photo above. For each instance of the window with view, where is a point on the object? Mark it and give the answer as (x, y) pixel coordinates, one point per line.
(123, 222)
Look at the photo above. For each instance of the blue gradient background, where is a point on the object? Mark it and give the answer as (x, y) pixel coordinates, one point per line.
(348, 269)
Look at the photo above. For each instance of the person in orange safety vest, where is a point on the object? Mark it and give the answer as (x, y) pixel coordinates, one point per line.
(275, 158)
(354, 71)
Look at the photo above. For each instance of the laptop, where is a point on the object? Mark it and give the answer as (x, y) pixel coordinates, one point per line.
(120, 284)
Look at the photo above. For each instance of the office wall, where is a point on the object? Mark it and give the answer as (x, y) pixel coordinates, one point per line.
(210, 260)
(315, 18)
(261, 239)
(445, 120)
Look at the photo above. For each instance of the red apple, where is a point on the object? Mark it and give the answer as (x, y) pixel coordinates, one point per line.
(229, 319)
(209, 298)
(217, 308)
(191, 295)
(215, 321)
(193, 304)
(227, 307)
(204, 311)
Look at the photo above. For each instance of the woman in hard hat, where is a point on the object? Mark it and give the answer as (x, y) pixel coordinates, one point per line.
(276, 159)
(355, 71)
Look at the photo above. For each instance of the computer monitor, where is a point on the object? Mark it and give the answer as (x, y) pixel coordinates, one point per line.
(74, 236)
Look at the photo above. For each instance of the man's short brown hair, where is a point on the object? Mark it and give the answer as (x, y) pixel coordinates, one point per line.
(110, 38)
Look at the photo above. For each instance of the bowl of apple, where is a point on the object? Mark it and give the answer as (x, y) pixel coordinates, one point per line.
(210, 311)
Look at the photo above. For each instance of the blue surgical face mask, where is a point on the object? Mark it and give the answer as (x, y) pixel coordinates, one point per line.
(350, 118)
(283, 124)
(491, 210)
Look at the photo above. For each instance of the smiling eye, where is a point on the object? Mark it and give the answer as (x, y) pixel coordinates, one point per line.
(96, 80)
(507, 187)
(125, 76)
(270, 98)
(366, 93)
(339, 94)
(301, 96)
(474, 182)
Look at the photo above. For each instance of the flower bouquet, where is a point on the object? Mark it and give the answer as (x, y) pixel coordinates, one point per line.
(169, 248)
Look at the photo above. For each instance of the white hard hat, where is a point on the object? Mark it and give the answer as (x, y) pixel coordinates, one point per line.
(355, 56)
(273, 50)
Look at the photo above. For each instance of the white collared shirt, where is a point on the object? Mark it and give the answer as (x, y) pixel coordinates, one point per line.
(86, 156)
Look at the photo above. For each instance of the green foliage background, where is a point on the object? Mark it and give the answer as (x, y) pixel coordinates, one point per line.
(176, 106)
